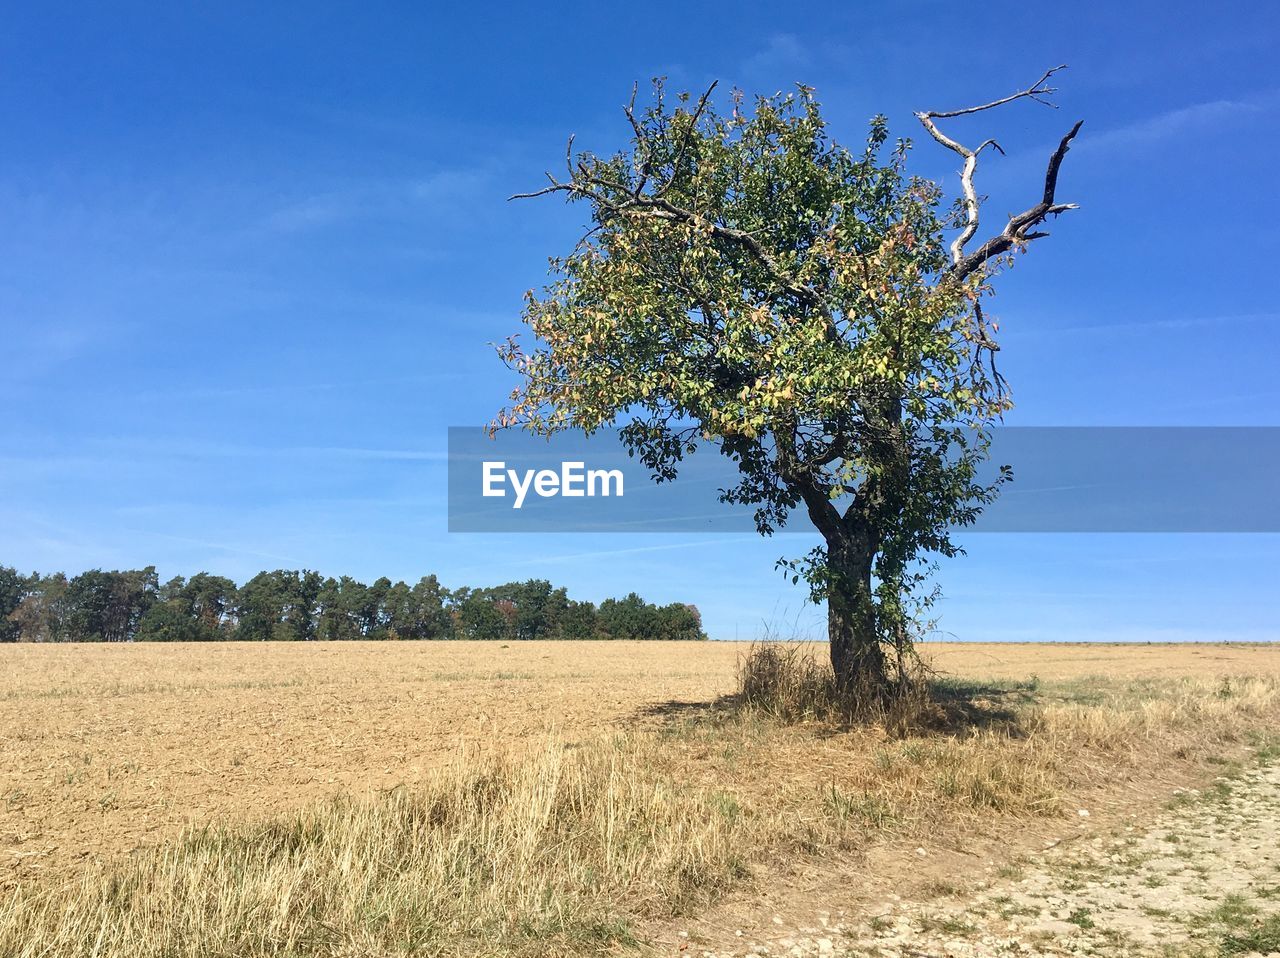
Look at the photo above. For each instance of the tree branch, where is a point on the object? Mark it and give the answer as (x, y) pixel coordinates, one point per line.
(822, 511)
(1037, 91)
(684, 145)
(1018, 228)
(617, 199)
(653, 205)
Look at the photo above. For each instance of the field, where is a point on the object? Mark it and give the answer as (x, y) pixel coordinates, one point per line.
(111, 750)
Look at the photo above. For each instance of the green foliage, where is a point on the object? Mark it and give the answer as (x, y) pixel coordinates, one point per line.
(13, 589)
(424, 616)
(167, 622)
(42, 614)
(633, 618)
(287, 605)
(580, 620)
(676, 319)
(628, 618)
(1260, 938)
(200, 610)
(680, 622)
(341, 603)
(478, 616)
(520, 611)
(279, 606)
(107, 606)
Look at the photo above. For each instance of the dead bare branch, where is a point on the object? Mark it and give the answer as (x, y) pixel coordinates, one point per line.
(1036, 92)
(1019, 229)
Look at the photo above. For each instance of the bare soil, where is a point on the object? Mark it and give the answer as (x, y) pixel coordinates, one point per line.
(1197, 875)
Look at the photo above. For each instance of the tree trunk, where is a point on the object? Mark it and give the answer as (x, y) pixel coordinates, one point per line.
(856, 655)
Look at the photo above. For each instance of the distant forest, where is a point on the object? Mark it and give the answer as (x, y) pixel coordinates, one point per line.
(300, 606)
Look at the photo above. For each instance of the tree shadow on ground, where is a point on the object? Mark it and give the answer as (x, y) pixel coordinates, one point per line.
(950, 706)
(965, 705)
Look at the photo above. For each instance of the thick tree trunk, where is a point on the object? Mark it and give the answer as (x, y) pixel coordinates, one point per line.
(856, 654)
(852, 541)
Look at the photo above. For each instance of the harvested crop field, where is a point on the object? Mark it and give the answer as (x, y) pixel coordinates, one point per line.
(108, 748)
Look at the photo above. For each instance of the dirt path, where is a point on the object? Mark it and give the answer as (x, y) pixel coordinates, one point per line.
(1202, 880)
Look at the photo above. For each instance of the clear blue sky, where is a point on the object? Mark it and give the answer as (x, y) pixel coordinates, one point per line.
(251, 256)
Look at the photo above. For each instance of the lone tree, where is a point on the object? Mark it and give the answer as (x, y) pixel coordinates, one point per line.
(748, 282)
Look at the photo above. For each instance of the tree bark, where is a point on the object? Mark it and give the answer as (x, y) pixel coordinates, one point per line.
(856, 655)
(852, 541)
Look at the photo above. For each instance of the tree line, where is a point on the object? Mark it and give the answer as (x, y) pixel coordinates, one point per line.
(299, 606)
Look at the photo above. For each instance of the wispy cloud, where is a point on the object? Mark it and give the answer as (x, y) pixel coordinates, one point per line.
(1169, 126)
(141, 456)
(216, 546)
(37, 347)
(390, 198)
(782, 50)
(218, 450)
(251, 390)
(1181, 121)
(314, 211)
(1168, 322)
(1136, 634)
(48, 545)
(635, 550)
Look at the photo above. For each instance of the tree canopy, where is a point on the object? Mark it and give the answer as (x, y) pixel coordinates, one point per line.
(747, 282)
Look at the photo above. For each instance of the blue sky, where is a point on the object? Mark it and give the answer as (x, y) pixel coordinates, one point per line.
(251, 257)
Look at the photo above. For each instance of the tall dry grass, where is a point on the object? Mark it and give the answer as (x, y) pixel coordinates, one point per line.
(790, 682)
(550, 853)
(1008, 748)
(562, 851)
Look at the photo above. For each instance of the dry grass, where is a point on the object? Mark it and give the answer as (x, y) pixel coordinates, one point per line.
(562, 849)
(787, 682)
(974, 748)
(549, 853)
(792, 683)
